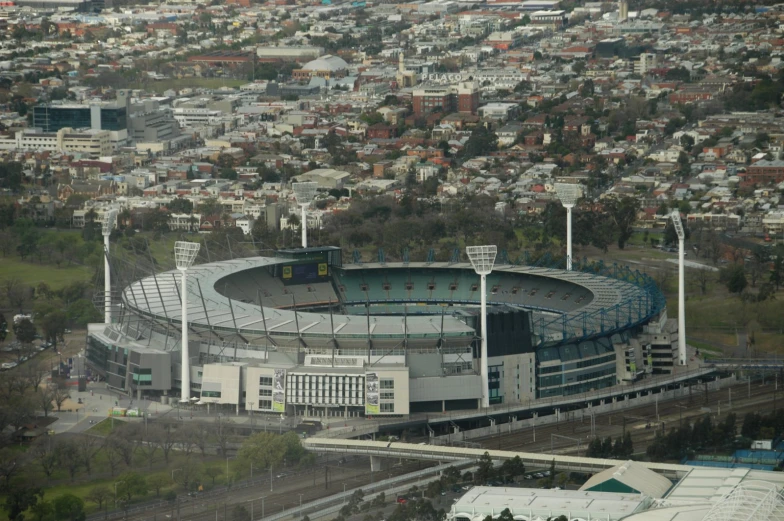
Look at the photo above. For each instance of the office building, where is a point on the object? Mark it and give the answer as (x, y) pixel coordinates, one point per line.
(463, 97)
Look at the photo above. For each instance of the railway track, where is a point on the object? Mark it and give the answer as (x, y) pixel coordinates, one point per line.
(562, 437)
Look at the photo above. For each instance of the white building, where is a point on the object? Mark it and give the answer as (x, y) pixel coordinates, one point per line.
(196, 117)
(96, 143)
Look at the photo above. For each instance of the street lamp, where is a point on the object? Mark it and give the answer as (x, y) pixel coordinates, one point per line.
(109, 218)
(482, 259)
(304, 192)
(676, 222)
(184, 255)
(568, 195)
(115, 491)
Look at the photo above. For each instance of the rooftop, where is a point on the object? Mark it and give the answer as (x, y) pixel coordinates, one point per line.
(533, 504)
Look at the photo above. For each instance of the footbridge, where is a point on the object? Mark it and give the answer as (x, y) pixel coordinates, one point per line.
(757, 364)
(393, 449)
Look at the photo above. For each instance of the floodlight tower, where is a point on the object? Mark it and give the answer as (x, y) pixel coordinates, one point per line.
(482, 259)
(568, 195)
(184, 255)
(109, 218)
(676, 222)
(304, 192)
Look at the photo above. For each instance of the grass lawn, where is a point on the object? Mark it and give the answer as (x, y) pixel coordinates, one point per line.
(185, 83)
(33, 274)
(105, 427)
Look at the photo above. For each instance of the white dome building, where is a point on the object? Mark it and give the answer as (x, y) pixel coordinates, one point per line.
(327, 67)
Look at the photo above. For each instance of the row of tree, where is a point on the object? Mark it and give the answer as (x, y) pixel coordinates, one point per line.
(623, 448)
(683, 441)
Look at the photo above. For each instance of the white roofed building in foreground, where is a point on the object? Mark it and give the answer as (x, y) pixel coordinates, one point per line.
(703, 494)
(630, 477)
(529, 504)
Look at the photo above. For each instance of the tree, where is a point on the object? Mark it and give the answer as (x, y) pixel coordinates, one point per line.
(60, 394)
(624, 214)
(25, 331)
(734, 277)
(156, 482)
(45, 398)
(777, 271)
(21, 498)
(69, 508)
(481, 142)
(46, 456)
(53, 325)
(485, 469)
(165, 437)
(99, 495)
(68, 455)
(42, 511)
(265, 449)
(240, 513)
(131, 484)
(703, 277)
(213, 472)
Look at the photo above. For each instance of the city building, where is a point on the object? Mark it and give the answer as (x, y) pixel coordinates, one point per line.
(326, 67)
(762, 173)
(288, 53)
(94, 143)
(645, 62)
(463, 97)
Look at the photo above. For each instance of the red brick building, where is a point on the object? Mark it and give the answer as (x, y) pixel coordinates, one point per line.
(463, 97)
(762, 173)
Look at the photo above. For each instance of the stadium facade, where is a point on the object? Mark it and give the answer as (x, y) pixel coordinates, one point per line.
(299, 332)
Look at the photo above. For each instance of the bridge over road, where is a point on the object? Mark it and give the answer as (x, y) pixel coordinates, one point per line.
(387, 449)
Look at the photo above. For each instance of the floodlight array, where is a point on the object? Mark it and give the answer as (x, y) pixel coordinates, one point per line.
(109, 218)
(185, 253)
(482, 258)
(567, 193)
(678, 224)
(304, 192)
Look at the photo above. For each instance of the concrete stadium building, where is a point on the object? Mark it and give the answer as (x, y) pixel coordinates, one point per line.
(303, 333)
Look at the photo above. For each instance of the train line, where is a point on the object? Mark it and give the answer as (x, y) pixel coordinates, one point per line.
(642, 422)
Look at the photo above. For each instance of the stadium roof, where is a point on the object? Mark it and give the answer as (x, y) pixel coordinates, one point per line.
(158, 296)
(612, 303)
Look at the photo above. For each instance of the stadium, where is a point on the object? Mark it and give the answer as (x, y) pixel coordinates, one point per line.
(298, 332)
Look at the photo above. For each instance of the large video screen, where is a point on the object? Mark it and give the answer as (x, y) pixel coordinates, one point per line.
(305, 273)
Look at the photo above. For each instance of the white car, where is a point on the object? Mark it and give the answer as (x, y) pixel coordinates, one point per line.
(8, 365)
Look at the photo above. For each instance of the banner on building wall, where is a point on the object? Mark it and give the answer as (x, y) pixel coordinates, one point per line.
(371, 393)
(322, 269)
(278, 391)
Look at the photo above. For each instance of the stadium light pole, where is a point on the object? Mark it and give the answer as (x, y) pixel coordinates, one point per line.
(482, 259)
(184, 255)
(568, 195)
(676, 222)
(304, 192)
(109, 218)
